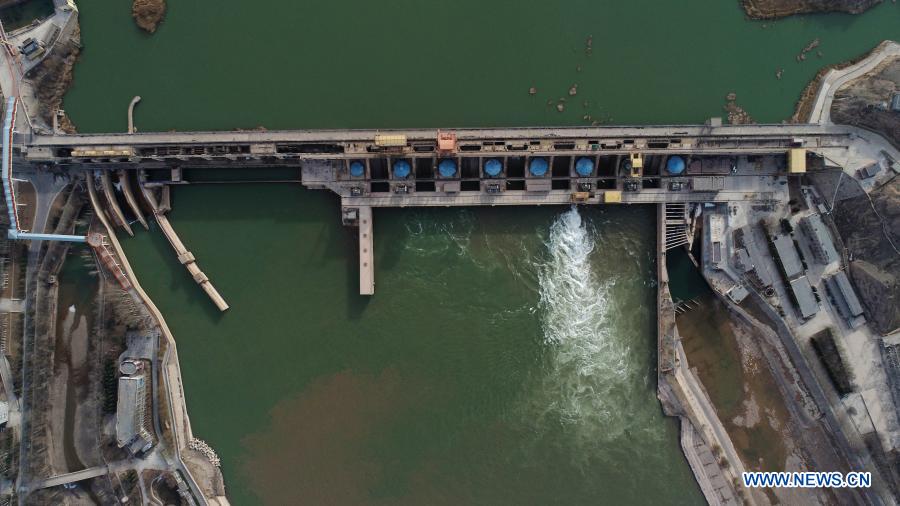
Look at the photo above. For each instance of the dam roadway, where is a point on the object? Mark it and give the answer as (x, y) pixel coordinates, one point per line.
(347, 143)
(478, 166)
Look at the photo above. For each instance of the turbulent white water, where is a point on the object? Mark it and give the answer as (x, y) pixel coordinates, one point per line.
(592, 391)
(594, 385)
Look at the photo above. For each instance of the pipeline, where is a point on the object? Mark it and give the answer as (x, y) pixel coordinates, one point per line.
(15, 231)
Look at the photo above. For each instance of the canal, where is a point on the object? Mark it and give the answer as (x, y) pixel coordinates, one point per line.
(507, 356)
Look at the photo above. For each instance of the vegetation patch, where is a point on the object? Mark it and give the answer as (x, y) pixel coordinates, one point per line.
(827, 350)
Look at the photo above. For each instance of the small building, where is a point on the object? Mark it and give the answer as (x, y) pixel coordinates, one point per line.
(895, 102)
(797, 161)
(738, 293)
(869, 171)
(612, 197)
(31, 48)
(844, 298)
(788, 256)
(807, 306)
(820, 240)
(4, 412)
(716, 230)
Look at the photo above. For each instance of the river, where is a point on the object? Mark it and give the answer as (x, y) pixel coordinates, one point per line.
(508, 355)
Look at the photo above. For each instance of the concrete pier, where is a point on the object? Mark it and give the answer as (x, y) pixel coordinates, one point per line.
(133, 103)
(95, 202)
(366, 252)
(125, 181)
(106, 182)
(185, 257)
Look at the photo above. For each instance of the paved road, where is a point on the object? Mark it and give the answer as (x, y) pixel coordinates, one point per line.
(834, 79)
(47, 187)
(62, 479)
(463, 134)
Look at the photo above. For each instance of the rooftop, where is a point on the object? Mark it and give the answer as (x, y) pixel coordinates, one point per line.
(130, 408)
(760, 271)
(870, 170)
(806, 299)
(823, 245)
(787, 253)
(845, 298)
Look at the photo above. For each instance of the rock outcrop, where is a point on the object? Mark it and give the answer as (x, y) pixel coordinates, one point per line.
(771, 9)
(148, 14)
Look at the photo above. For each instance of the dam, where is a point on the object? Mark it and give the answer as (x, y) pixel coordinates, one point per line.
(468, 167)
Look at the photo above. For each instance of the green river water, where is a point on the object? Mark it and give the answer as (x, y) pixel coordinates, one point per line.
(508, 356)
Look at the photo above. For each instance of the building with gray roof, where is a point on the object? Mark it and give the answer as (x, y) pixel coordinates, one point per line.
(755, 269)
(844, 298)
(869, 171)
(132, 427)
(820, 240)
(788, 256)
(742, 260)
(807, 306)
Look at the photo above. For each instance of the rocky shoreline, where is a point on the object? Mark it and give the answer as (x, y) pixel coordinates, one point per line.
(773, 9)
(807, 99)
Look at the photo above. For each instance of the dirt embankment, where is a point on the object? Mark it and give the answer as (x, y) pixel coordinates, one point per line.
(52, 78)
(148, 14)
(865, 102)
(771, 9)
(875, 269)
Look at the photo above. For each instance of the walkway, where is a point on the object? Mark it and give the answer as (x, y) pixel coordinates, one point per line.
(63, 479)
(706, 414)
(464, 135)
(185, 257)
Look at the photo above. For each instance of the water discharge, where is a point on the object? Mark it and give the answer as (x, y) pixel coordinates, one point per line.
(507, 358)
(595, 385)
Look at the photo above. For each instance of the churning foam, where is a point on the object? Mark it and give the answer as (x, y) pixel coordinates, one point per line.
(593, 385)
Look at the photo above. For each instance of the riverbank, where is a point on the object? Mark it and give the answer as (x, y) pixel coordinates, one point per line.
(773, 9)
(498, 391)
(203, 478)
(815, 103)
